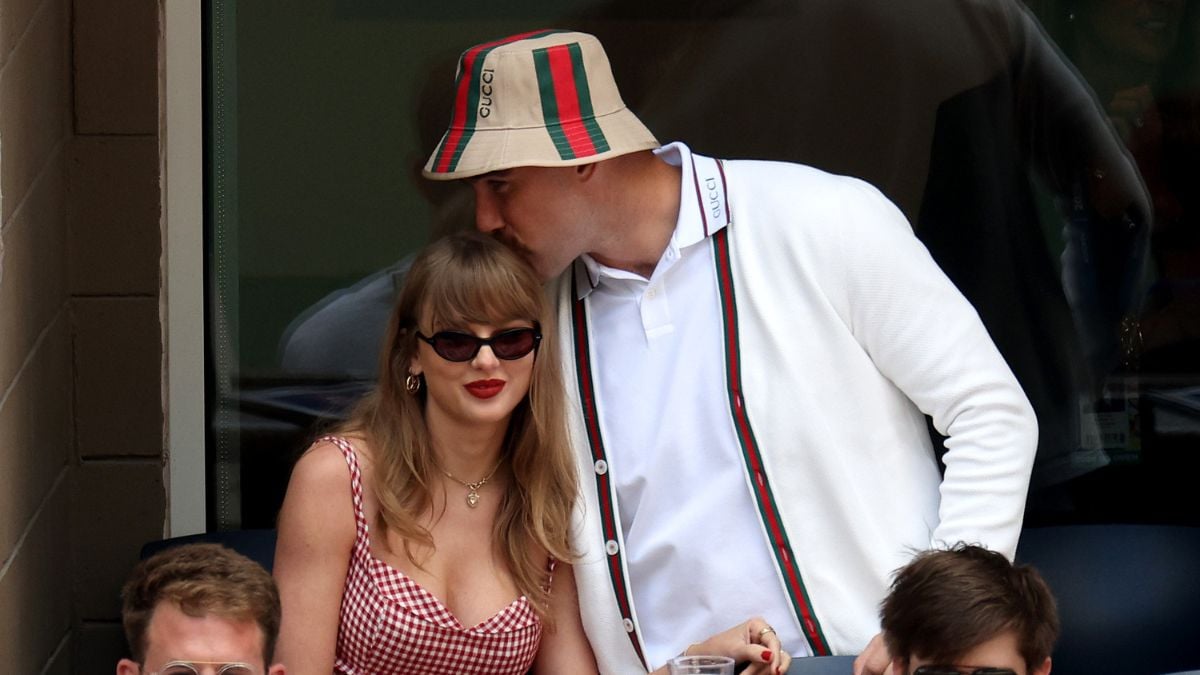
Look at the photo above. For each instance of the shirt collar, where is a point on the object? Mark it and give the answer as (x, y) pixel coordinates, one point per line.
(703, 209)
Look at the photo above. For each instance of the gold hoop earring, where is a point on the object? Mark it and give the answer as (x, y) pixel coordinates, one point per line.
(412, 384)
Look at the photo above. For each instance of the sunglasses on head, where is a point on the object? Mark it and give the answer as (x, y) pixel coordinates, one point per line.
(509, 345)
(961, 670)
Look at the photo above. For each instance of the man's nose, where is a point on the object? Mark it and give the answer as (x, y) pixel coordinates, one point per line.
(487, 216)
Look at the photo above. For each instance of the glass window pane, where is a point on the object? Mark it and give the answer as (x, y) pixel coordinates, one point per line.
(1046, 153)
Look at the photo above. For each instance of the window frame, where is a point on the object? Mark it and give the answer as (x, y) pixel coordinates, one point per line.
(181, 138)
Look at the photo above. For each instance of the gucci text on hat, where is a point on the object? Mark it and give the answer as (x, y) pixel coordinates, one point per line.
(544, 98)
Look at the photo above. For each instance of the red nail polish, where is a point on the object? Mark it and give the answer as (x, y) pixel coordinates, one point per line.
(767, 656)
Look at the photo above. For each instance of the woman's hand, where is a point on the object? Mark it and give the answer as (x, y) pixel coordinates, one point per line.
(752, 642)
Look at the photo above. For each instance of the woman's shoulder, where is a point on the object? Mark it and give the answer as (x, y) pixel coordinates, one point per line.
(347, 447)
(320, 484)
(331, 462)
(324, 465)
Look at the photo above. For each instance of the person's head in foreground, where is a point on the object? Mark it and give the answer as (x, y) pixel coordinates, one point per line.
(200, 609)
(969, 610)
(535, 117)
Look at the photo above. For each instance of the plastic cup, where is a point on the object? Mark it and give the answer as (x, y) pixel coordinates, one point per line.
(700, 665)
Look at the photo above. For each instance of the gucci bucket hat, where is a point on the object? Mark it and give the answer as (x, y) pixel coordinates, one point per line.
(544, 98)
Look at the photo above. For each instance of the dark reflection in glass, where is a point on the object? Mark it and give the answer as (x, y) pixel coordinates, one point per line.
(1035, 169)
(1141, 59)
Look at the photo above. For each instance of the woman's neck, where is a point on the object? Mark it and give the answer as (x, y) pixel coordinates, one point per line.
(467, 452)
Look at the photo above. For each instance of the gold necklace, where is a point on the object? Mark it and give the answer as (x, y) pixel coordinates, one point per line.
(473, 488)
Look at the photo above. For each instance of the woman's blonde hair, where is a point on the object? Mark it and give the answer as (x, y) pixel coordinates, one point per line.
(461, 279)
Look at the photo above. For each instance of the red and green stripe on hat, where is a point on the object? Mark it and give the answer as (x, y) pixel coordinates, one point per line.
(567, 101)
(564, 93)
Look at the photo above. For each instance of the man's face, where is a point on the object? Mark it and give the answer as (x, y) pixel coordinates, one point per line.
(537, 211)
(208, 642)
(999, 652)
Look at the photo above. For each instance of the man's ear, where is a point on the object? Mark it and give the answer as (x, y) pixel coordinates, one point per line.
(899, 667)
(127, 667)
(1043, 669)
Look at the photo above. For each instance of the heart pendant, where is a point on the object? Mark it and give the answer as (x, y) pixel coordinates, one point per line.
(472, 499)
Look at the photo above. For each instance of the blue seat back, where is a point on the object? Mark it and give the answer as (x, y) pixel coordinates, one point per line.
(257, 545)
(822, 665)
(1128, 595)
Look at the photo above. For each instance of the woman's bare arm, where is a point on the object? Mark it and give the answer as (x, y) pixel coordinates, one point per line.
(316, 536)
(565, 649)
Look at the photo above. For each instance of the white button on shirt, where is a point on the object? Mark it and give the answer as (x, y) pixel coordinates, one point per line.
(660, 367)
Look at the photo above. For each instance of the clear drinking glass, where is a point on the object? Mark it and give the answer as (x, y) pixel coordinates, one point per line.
(700, 665)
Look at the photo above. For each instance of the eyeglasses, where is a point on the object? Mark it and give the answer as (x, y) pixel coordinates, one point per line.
(961, 670)
(194, 668)
(509, 344)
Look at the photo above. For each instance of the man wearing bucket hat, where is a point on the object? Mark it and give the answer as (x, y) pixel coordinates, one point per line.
(752, 346)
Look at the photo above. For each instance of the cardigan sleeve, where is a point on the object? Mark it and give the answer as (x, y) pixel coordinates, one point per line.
(925, 337)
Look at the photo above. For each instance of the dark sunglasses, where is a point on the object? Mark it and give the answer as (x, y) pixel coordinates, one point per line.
(957, 670)
(509, 344)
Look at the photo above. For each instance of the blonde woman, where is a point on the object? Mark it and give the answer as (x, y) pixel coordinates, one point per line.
(422, 536)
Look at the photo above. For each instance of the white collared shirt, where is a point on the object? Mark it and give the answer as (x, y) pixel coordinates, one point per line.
(698, 565)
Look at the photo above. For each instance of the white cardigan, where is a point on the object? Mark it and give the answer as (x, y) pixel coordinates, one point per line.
(829, 288)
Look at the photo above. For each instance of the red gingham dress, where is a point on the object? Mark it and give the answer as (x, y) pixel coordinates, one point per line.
(390, 624)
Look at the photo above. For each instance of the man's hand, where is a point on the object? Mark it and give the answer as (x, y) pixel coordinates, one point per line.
(874, 660)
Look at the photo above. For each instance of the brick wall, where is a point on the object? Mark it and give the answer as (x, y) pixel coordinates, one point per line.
(81, 442)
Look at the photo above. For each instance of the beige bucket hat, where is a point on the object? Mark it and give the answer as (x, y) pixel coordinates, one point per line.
(545, 98)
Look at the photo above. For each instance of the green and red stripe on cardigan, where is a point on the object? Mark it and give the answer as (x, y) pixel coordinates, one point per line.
(608, 517)
(752, 455)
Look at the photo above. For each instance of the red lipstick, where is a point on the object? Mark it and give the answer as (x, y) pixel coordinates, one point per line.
(485, 388)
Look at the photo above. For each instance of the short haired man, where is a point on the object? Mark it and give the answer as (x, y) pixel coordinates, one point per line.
(750, 347)
(200, 609)
(969, 610)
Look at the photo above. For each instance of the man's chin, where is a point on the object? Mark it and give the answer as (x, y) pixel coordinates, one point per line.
(546, 270)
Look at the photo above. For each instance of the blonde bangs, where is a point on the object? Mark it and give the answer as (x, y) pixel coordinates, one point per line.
(468, 289)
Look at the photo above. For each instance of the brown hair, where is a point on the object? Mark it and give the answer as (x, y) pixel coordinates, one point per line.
(201, 579)
(460, 279)
(944, 603)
